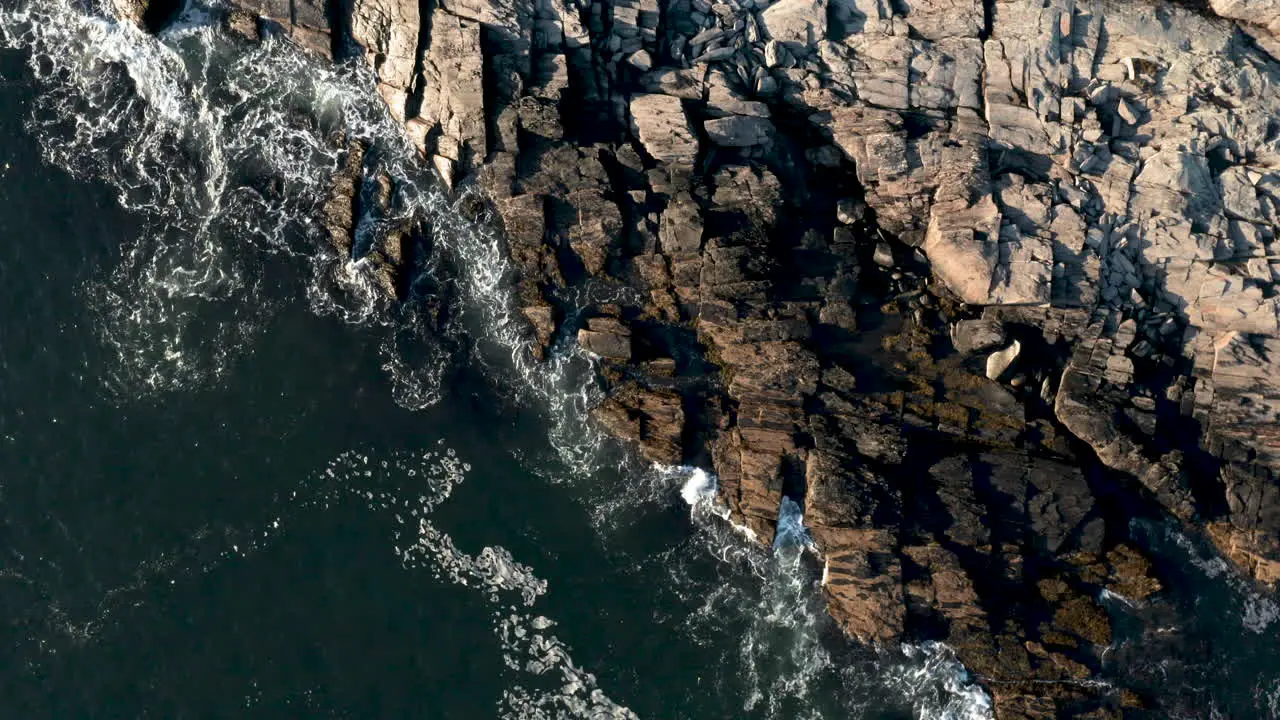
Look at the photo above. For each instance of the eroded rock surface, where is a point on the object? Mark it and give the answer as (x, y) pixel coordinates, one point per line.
(926, 251)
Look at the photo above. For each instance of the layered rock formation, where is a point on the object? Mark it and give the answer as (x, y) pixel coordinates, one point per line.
(944, 273)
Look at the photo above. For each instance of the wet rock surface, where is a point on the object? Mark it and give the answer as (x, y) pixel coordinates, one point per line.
(955, 273)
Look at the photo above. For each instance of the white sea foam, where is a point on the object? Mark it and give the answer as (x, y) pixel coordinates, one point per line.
(1106, 595)
(939, 686)
(1259, 612)
(700, 489)
(781, 644)
(791, 531)
(556, 686)
(224, 154)
(1270, 692)
(406, 488)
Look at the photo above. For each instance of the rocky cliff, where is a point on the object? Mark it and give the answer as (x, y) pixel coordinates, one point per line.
(972, 283)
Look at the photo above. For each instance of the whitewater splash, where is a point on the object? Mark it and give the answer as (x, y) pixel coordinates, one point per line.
(1204, 643)
(792, 660)
(1254, 611)
(227, 152)
(700, 490)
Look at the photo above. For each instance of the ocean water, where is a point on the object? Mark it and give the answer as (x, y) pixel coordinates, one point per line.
(236, 482)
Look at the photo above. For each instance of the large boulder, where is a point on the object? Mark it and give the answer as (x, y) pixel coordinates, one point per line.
(660, 123)
(798, 24)
(1260, 17)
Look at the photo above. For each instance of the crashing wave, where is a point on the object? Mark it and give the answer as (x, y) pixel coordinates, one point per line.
(224, 154)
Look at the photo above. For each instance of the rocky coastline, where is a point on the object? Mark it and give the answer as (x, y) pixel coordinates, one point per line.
(971, 283)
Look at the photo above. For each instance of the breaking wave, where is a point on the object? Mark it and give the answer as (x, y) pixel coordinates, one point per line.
(783, 654)
(225, 152)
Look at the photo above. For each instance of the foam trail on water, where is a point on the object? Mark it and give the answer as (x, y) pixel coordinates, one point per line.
(1171, 643)
(565, 383)
(406, 489)
(938, 684)
(791, 531)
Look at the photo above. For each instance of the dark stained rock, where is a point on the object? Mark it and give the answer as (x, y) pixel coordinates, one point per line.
(340, 208)
(973, 336)
(590, 223)
(305, 22)
(739, 131)
(606, 337)
(654, 419)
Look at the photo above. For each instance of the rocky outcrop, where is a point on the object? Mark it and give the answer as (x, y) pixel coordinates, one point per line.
(914, 266)
(1260, 19)
(380, 249)
(654, 419)
(306, 22)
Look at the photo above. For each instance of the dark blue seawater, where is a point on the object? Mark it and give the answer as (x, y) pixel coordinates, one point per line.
(235, 482)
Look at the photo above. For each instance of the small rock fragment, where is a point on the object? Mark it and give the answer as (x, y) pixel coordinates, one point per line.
(998, 362)
(850, 211)
(641, 60)
(970, 336)
(883, 255)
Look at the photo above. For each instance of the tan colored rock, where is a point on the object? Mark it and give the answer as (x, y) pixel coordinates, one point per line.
(795, 23)
(680, 229)
(863, 583)
(1255, 552)
(1260, 18)
(998, 362)
(591, 224)
(940, 19)
(131, 10)
(740, 131)
(388, 32)
(654, 419)
(963, 250)
(1246, 395)
(453, 90)
(607, 338)
(948, 591)
(660, 124)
